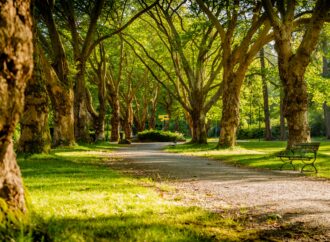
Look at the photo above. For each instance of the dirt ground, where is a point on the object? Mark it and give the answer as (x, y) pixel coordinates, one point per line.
(289, 199)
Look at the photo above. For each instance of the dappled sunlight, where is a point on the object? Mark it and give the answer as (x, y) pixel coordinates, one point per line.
(237, 151)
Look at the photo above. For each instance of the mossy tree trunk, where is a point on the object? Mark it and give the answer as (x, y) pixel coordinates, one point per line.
(35, 136)
(81, 114)
(16, 62)
(61, 97)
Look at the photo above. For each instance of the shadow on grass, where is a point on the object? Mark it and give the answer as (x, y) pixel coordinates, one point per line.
(129, 228)
(78, 198)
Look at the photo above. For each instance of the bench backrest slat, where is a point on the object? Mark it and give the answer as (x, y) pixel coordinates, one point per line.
(309, 147)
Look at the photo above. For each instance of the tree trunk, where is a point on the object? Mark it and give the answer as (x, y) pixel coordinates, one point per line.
(81, 115)
(128, 121)
(166, 125)
(188, 122)
(327, 119)
(140, 126)
(295, 106)
(99, 127)
(326, 67)
(62, 102)
(152, 116)
(230, 114)
(115, 119)
(152, 120)
(282, 119)
(35, 136)
(16, 62)
(199, 135)
(268, 131)
(326, 64)
(176, 125)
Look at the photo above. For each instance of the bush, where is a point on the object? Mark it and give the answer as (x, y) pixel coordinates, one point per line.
(252, 133)
(159, 136)
(255, 133)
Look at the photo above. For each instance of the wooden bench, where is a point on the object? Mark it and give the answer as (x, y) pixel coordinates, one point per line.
(306, 152)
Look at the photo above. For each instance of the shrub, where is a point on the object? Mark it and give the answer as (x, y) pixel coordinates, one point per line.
(159, 136)
(252, 133)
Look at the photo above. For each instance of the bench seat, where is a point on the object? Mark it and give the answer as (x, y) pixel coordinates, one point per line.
(305, 152)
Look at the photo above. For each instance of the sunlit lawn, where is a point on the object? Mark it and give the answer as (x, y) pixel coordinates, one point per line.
(257, 154)
(75, 196)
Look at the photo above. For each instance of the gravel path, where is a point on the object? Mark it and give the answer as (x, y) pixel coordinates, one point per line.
(215, 185)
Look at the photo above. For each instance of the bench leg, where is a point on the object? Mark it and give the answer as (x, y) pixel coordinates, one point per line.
(309, 164)
(287, 162)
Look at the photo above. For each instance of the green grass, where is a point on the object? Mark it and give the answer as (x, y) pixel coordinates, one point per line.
(75, 196)
(253, 153)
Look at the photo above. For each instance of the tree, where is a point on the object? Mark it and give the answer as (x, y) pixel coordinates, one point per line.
(81, 53)
(292, 62)
(16, 51)
(243, 31)
(59, 86)
(135, 78)
(145, 102)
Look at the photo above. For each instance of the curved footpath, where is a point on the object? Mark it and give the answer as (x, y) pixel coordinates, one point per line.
(215, 185)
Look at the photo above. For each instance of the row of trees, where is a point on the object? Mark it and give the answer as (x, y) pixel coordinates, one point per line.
(92, 55)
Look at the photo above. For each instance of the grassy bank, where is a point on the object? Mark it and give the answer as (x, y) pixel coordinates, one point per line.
(253, 153)
(75, 196)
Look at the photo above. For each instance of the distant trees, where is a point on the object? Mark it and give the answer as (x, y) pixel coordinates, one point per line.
(192, 60)
(69, 33)
(95, 60)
